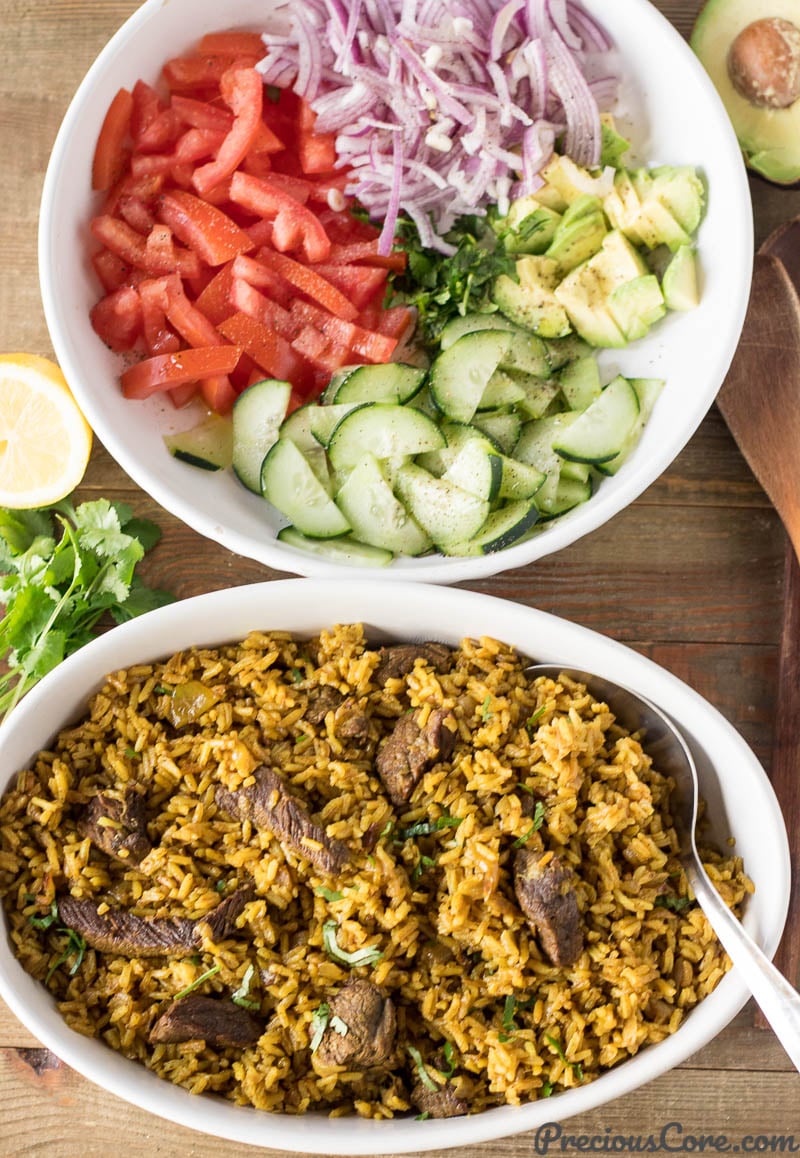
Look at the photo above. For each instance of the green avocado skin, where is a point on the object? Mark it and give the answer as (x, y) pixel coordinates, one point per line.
(769, 138)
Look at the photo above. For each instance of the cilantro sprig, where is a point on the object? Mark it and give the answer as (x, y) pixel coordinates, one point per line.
(442, 287)
(62, 568)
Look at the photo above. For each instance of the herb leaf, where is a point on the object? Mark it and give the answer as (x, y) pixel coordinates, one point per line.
(576, 1067)
(61, 569)
(369, 955)
(198, 981)
(675, 904)
(319, 1023)
(419, 1065)
(328, 894)
(426, 827)
(536, 824)
(241, 996)
(447, 1054)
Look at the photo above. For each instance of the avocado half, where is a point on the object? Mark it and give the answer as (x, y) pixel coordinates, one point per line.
(752, 47)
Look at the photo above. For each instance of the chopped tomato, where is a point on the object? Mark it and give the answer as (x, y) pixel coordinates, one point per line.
(166, 371)
(395, 321)
(310, 283)
(138, 215)
(158, 337)
(202, 114)
(117, 319)
(242, 90)
(247, 298)
(215, 299)
(345, 229)
(218, 393)
(163, 131)
(190, 322)
(214, 236)
(318, 350)
(361, 283)
(316, 151)
(231, 42)
(295, 226)
(126, 243)
(110, 153)
(147, 105)
(182, 395)
(199, 74)
(196, 144)
(367, 252)
(257, 274)
(366, 344)
(266, 347)
(112, 271)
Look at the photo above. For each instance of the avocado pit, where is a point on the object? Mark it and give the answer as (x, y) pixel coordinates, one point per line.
(764, 63)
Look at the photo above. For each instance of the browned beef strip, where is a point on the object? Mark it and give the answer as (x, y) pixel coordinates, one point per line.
(371, 1026)
(351, 723)
(269, 804)
(409, 751)
(441, 1103)
(118, 931)
(126, 836)
(548, 900)
(399, 659)
(216, 1021)
(322, 700)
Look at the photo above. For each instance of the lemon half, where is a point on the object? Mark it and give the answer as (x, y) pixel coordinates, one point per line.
(45, 441)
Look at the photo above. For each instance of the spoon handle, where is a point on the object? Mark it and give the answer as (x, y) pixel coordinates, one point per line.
(778, 1000)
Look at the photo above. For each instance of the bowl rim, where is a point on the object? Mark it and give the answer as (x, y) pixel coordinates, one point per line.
(227, 615)
(584, 519)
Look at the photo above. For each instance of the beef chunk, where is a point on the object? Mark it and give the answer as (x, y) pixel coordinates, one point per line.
(371, 1024)
(410, 750)
(398, 660)
(216, 1021)
(350, 722)
(269, 804)
(548, 900)
(118, 931)
(124, 835)
(322, 700)
(441, 1103)
(222, 919)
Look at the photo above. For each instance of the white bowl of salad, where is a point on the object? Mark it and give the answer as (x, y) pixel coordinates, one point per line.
(419, 294)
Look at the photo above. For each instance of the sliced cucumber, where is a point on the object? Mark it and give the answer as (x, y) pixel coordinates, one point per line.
(337, 378)
(563, 350)
(519, 480)
(448, 513)
(502, 529)
(501, 392)
(345, 550)
(297, 427)
(208, 446)
(384, 430)
(387, 382)
(601, 431)
(540, 393)
(458, 376)
(568, 493)
(580, 382)
(457, 327)
(502, 426)
(527, 353)
(536, 443)
(577, 470)
(458, 434)
(257, 416)
(323, 420)
(289, 483)
(647, 391)
(477, 470)
(376, 516)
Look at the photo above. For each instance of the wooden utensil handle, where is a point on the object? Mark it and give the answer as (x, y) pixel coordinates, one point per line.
(785, 769)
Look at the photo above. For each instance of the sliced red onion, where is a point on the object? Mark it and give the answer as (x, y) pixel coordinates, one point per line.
(557, 10)
(501, 23)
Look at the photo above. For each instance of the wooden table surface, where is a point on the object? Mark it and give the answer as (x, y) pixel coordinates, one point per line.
(691, 575)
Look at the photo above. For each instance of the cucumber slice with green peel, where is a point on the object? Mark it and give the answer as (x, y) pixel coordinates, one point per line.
(502, 529)
(477, 470)
(502, 426)
(501, 392)
(647, 391)
(297, 427)
(457, 327)
(344, 550)
(387, 382)
(540, 394)
(601, 431)
(458, 434)
(208, 446)
(445, 511)
(580, 382)
(459, 375)
(566, 349)
(376, 516)
(568, 493)
(324, 419)
(336, 379)
(383, 429)
(257, 416)
(528, 353)
(289, 483)
(576, 470)
(519, 480)
(536, 442)
(424, 402)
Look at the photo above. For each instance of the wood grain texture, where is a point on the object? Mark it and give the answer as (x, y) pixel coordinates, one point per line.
(691, 575)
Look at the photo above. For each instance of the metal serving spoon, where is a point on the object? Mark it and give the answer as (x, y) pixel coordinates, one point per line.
(669, 752)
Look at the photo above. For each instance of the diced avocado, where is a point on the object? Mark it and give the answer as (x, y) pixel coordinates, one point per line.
(586, 291)
(622, 206)
(768, 132)
(572, 181)
(679, 283)
(589, 314)
(681, 191)
(618, 261)
(531, 302)
(579, 234)
(636, 305)
(528, 227)
(613, 145)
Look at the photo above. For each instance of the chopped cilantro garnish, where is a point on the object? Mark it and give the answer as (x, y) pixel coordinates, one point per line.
(419, 1065)
(76, 946)
(576, 1067)
(297, 675)
(369, 955)
(547, 1089)
(198, 981)
(45, 922)
(427, 827)
(423, 1117)
(423, 863)
(486, 709)
(241, 996)
(328, 894)
(387, 828)
(447, 1054)
(509, 1009)
(676, 904)
(535, 716)
(164, 690)
(339, 1026)
(536, 824)
(132, 754)
(319, 1023)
